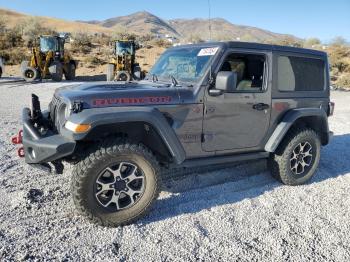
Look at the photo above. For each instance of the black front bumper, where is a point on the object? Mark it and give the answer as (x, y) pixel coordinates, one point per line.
(41, 149)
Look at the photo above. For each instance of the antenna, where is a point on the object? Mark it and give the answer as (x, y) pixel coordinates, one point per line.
(209, 20)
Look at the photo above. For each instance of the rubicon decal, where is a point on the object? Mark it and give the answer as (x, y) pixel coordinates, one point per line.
(131, 100)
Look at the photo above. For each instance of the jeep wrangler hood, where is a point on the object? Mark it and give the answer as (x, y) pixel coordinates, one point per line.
(105, 94)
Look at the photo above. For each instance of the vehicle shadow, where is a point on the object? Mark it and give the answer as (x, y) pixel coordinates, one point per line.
(100, 77)
(201, 191)
(10, 80)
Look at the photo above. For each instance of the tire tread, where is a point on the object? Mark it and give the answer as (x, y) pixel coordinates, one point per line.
(111, 147)
(278, 161)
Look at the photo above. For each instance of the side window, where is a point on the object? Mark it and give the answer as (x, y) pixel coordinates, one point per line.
(300, 74)
(250, 69)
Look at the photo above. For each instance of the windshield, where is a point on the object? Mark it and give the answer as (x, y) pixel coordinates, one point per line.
(187, 64)
(48, 44)
(123, 47)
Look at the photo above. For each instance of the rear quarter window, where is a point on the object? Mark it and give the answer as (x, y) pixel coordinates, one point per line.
(300, 74)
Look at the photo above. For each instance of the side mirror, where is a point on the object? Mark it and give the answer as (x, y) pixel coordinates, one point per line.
(226, 81)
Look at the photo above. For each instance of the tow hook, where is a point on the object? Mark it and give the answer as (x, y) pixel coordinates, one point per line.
(17, 140)
(20, 152)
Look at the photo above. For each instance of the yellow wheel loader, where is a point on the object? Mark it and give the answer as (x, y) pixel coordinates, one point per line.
(122, 66)
(49, 60)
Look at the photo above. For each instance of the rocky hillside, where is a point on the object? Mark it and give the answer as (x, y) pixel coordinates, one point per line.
(13, 19)
(145, 22)
(223, 30)
(140, 23)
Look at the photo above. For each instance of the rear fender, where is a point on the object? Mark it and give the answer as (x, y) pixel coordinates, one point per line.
(315, 117)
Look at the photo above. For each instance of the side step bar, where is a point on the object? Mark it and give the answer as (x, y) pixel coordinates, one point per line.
(222, 159)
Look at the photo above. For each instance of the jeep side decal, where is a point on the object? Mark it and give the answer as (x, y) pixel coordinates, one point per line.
(133, 100)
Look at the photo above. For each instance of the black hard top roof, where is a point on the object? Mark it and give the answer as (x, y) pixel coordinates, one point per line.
(248, 45)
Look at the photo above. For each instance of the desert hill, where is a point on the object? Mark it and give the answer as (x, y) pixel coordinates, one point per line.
(146, 23)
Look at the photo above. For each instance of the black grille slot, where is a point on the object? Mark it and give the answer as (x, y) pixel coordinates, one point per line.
(54, 106)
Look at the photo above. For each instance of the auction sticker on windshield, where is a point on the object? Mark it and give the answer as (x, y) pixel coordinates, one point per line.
(208, 51)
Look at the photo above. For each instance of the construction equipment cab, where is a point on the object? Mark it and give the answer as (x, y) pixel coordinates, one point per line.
(122, 66)
(49, 60)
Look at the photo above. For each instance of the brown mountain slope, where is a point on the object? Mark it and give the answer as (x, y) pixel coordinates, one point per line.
(140, 23)
(146, 23)
(222, 30)
(13, 18)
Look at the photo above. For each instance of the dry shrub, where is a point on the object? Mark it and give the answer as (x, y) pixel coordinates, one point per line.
(123, 35)
(94, 61)
(10, 39)
(339, 56)
(101, 39)
(32, 28)
(343, 81)
(160, 43)
(287, 41)
(14, 56)
(81, 43)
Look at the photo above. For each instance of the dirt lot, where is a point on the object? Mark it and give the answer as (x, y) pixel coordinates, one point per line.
(238, 213)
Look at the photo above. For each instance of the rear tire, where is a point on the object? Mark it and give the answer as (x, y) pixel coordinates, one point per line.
(123, 76)
(137, 73)
(110, 72)
(30, 74)
(70, 73)
(96, 183)
(56, 71)
(296, 159)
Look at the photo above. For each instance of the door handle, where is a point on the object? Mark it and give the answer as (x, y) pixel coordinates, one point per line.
(260, 106)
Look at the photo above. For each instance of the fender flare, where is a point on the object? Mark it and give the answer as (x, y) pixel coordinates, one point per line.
(288, 120)
(114, 115)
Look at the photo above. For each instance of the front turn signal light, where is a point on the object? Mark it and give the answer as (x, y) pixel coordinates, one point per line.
(77, 128)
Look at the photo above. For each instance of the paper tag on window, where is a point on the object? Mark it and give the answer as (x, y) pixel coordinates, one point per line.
(208, 51)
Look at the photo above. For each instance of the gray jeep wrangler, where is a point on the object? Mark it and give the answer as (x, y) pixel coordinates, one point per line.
(204, 104)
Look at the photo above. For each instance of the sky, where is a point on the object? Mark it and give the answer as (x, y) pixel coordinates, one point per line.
(302, 18)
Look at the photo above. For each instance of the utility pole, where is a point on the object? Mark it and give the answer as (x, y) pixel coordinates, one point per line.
(209, 20)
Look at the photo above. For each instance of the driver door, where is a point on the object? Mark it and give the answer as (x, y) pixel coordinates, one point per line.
(240, 119)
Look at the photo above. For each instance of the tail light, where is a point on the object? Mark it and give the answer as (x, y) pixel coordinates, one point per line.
(331, 106)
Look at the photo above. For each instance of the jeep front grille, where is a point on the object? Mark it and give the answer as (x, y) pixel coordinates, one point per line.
(54, 110)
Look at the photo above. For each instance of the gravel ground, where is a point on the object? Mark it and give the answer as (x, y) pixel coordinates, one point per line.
(237, 213)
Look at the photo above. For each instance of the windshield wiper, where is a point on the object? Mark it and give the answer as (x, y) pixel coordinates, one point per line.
(173, 81)
(154, 78)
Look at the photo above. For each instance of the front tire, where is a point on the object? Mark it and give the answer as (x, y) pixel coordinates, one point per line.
(110, 74)
(137, 73)
(70, 73)
(123, 76)
(116, 184)
(30, 74)
(56, 71)
(296, 159)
